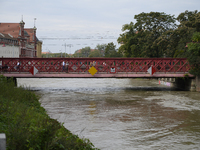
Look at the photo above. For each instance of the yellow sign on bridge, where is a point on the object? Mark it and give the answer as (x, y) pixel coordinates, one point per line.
(92, 70)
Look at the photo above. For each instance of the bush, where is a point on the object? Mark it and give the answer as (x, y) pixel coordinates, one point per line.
(27, 125)
(193, 54)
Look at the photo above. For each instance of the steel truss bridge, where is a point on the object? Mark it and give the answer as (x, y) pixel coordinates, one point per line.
(104, 67)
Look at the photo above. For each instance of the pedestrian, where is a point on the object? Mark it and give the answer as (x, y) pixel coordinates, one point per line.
(63, 64)
(104, 64)
(18, 65)
(91, 64)
(67, 65)
(94, 63)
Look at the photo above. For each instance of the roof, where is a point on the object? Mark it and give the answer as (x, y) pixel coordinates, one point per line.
(10, 28)
(45, 52)
(30, 32)
(7, 36)
(14, 28)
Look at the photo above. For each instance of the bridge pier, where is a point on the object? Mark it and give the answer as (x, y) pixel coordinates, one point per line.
(186, 84)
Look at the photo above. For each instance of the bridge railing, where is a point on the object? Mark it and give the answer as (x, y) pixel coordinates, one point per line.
(102, 65)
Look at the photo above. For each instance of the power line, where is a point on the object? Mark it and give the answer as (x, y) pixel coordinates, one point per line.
(65, 38)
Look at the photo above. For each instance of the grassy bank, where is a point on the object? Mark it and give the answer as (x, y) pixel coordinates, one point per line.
(27, 125)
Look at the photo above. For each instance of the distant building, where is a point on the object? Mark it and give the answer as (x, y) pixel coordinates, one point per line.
(9, 46)
(17, 41)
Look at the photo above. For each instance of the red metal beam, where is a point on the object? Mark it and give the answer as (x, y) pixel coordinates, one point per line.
(128, 66)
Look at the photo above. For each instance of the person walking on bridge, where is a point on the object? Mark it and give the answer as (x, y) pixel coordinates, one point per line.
(63, 64)
(18, 66)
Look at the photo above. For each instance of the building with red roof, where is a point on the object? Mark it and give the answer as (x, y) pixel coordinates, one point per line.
(14, 36)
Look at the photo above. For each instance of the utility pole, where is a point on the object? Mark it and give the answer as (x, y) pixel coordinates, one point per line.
(69, 45)
(65, 48)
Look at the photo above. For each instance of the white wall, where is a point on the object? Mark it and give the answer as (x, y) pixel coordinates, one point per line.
(9, 51)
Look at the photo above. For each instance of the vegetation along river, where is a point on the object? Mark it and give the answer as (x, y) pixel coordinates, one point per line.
(122, 114)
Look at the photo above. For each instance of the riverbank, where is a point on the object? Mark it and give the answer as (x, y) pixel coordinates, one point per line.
(27, 125)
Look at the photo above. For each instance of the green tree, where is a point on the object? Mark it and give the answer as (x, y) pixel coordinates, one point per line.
(193, 54)
(154, 24)
(190, 19)
(101, 48)
(110, 51)
(144, 38)
(189, 24)
(95, 53)
(167, 43)
(128, 41)
(85, 52)
(77, 53)
(52, 55)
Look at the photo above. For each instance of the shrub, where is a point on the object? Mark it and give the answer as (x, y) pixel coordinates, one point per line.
(27, 125)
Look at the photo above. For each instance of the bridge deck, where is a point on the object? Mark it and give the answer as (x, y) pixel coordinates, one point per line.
(98, 75)
(98, 67)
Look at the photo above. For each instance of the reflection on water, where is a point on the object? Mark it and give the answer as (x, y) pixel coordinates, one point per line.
(123, 113)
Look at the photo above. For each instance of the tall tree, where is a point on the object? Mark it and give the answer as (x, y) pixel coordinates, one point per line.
(85, 52)
(101, 48)
(193, 54)
(127, 39)
(110, 51)
(143, 39)
(77, 53)
(189, 24)
(154, 24)
(95, 53)
(190, 19)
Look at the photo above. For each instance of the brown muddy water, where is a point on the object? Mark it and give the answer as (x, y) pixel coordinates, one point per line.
(123, 114)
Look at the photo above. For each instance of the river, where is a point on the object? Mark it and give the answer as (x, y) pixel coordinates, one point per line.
(122, 114)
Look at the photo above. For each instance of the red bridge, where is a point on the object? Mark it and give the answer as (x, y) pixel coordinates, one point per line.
(100, 67)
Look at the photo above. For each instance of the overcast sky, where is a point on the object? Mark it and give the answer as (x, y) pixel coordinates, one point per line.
(82, 23)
